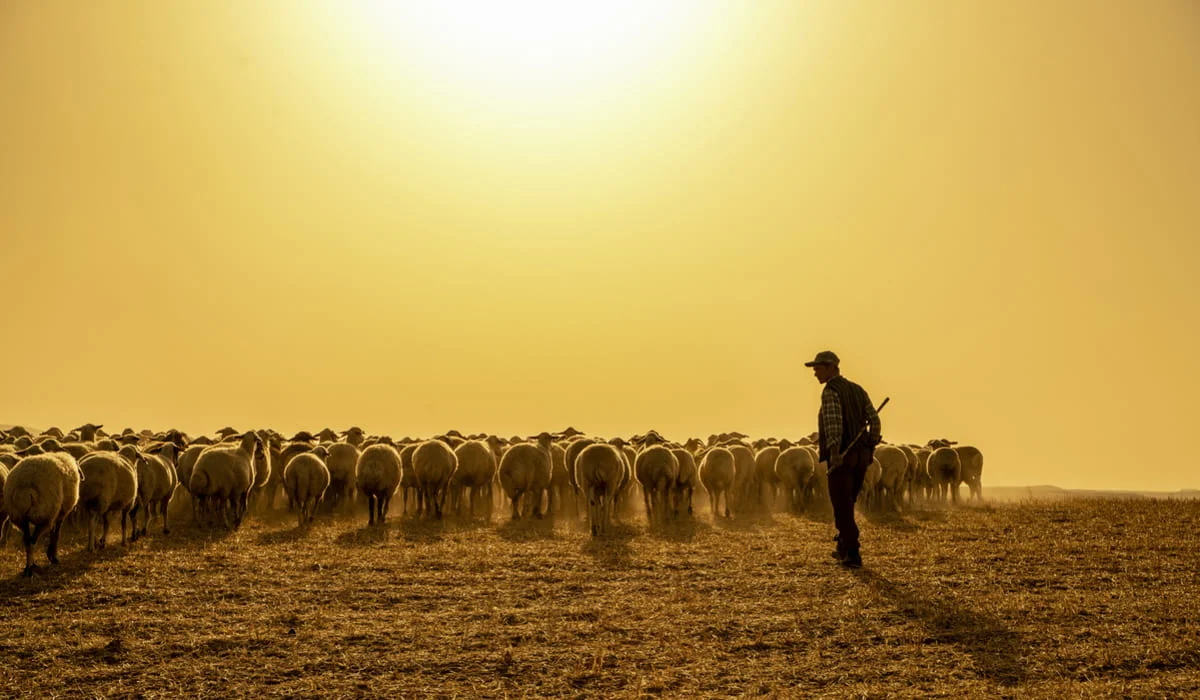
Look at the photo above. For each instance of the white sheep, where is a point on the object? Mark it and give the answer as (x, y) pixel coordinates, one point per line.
(560, 480)
(910, 483)
(743, 474)
(378, 477)
(223, 475)
(599, 471)
(868, 497)
(687, 480)
(893, 476)
(971, 471)
(305, 478)
(717, 473)
(476, 469)
(156, 485)
(764, 475)
(923, 481)
(794, 468)
(4, 469)
(525, 472)
(656, 468)
(281, 454)
(39, 493)
(183, 470)
(342, 464)
(408, 477)
(945, 471)
(571, 457)
(109, 485)
(434, 463)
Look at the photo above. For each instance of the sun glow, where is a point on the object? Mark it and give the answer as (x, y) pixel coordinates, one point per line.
(539, 51)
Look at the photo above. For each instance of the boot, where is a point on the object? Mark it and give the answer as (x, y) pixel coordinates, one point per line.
(840, 553)
(852, 560)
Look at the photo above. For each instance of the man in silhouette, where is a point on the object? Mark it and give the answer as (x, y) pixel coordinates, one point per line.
(845, 410)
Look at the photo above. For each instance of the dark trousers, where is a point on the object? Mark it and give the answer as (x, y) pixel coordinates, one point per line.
(845, 483)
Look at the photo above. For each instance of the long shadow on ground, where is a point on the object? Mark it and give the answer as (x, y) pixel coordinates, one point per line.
(996, 649)
(611, 550)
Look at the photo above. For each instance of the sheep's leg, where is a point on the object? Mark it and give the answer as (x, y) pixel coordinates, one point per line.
(516, 505)
(163, 506)
(29, 537)
(3, 529)
(52, 547)
(91, 532)
(104, 531)
(726, 494)
(384, 502)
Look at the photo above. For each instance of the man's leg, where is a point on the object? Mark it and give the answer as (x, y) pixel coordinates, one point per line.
(841, 497)
(855, 463)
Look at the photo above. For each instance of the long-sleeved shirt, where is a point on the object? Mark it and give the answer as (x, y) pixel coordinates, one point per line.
(830, 417)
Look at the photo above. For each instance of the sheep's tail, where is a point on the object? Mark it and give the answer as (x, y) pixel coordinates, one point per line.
(22, 502)
(199, 482)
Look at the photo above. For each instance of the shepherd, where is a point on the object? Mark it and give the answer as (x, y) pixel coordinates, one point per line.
(848, 430)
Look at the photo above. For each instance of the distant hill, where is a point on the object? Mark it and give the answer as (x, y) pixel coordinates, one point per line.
(1047, 492)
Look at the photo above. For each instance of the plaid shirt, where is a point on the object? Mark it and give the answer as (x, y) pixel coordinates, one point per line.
(830, 417)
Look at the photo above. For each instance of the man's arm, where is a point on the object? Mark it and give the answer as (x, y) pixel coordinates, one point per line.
(875, 426)
(831, 419)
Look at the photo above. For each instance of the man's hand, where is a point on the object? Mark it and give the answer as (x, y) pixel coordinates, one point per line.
(835, 460)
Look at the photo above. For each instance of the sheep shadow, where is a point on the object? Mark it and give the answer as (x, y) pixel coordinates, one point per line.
(51, 577)
(892, 521)
(746, 521)
(997, 650)
(927, 515)
(611, 550)
(526, 529)
(365, 536)
(683, 529)
(423, 530)
(287, 536)
(187, 536)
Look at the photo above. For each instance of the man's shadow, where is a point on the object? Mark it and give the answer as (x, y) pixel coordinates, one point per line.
(996, 649)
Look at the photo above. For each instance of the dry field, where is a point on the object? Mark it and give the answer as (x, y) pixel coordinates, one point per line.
(1067, 599)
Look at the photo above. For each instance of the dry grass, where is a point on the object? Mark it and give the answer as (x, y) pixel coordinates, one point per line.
(1065, 599)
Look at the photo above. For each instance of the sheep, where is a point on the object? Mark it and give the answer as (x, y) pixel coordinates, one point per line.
(893, 475)
(599, 471)
(109, 484)
(818, 487)
(560, 480)
(87, 432)
(971, 471)
(945, 471)
(923, 481)
(476, 469)
(4, 469)
(408, 477)
(743, 473)
(354, 436)
(183, 470)
(378, 476)
(39, 493)
(223, 475)
(525, 472)
(306, 478)
(764, 474)
(910, 481)
(687, 479)
(868, 496)
(717, 473)
(341, 463)
(156, 484)
(571, 456)
(656, 468)
(280, 456)
(434, 464)
(794, 470)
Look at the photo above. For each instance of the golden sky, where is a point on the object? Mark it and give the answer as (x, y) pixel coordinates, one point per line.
(300, 214)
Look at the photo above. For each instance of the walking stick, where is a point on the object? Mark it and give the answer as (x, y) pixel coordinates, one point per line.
(861, 431)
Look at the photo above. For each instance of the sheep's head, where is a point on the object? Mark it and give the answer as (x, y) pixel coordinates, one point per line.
(544, 440)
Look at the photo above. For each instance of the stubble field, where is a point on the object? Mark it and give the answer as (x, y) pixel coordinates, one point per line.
(1078, 598)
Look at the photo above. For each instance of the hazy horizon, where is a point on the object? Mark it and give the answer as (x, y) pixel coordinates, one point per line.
(298, 215)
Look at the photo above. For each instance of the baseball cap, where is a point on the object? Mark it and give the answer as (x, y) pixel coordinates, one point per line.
(825, 357)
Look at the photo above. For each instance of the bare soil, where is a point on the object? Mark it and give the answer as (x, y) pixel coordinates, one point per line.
(1073, 598)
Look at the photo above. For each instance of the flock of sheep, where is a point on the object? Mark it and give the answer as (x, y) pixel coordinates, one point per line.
(92, 476)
